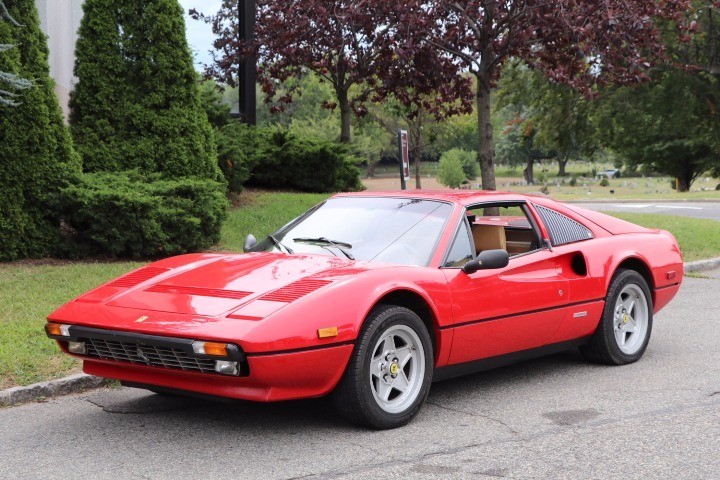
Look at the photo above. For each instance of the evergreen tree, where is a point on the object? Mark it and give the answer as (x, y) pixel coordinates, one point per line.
(9, 82)
(136, 104)
(36, 153)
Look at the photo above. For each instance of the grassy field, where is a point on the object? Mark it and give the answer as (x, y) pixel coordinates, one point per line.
(29, 290)
(698, 238)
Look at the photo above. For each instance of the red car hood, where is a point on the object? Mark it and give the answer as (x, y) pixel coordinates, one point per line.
(216, 285)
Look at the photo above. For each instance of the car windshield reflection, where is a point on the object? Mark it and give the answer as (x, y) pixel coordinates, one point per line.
(394, 230)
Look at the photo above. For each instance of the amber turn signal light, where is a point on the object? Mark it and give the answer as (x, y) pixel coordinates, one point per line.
(327, 332)
(57, 330)
(210, 348)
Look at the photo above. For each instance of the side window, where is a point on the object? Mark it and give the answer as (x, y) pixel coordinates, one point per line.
(505, 226)
(461, 250)
(563, 230)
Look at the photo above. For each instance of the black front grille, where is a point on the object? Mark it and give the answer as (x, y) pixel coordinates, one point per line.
(151, 355)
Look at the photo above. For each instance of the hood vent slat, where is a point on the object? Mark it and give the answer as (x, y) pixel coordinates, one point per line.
(294, 291)
(137, 277)
(199, 291)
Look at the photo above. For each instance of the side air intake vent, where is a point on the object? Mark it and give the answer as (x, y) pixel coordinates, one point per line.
(137, 277)
(292, 292)
(563, 230)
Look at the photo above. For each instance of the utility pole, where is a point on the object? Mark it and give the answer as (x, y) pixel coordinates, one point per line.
(246, 64)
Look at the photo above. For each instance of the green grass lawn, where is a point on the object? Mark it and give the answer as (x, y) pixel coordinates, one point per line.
(30, 290)
(698, 238)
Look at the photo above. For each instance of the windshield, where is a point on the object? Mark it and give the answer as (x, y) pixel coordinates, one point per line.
(394, 230)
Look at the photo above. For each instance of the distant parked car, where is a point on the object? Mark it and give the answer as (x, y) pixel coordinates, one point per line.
(612, 173)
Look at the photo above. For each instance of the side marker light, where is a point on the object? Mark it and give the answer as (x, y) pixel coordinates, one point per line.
(328, 332)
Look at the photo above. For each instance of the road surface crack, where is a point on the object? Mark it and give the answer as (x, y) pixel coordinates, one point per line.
(474, 414)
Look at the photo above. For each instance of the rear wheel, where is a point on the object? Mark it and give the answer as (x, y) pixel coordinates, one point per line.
(389, 373)
(624, 330)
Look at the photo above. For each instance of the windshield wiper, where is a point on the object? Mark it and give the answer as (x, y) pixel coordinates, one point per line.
(326, 241)
(280, 245)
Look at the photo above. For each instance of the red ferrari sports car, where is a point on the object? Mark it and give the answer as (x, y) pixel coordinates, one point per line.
(372, 296)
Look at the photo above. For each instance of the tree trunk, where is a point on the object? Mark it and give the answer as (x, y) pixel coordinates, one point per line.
(528, 173)
(563, 163)
(486, 153)
(372, 164)
(345, 116)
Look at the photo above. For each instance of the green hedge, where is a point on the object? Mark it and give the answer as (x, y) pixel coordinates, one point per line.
(271, 157)
(127, 214)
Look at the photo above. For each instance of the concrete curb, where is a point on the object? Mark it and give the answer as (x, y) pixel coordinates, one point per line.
(53, 388)
(702, 265)
(81, 381)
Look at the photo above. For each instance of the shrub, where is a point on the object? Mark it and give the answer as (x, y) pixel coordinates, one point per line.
(284, 160)
(136, 104)
(238, 146)
(573, 181)
(450, 172)
(133, 215)
(36, 152)
(468, 160)
(604, 182)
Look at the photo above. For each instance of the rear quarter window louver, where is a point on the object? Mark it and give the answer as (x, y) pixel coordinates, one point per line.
(562, 229)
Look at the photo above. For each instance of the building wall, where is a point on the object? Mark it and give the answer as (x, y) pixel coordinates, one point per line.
(60, 20)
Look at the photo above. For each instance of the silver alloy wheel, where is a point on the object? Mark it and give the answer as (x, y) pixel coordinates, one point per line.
(630, 322)
(397, 369)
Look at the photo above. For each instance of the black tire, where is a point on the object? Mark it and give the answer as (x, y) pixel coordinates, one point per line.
(603, 346)
(354, 396)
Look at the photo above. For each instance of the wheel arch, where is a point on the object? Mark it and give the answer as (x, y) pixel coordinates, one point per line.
(419, 305)
(639, 266)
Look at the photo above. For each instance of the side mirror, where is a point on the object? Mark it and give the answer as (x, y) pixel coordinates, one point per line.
(250, 242)
(488, 260)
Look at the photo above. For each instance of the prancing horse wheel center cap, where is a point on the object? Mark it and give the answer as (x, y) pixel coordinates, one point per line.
(394, 369)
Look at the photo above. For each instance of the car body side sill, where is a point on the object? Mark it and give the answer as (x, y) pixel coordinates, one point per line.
(457, 370)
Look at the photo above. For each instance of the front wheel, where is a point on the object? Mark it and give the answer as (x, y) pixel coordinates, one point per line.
(389, 373)
(624, 330)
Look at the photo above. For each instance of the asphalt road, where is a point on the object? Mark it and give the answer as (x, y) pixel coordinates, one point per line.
(557, 417)
(709, 210)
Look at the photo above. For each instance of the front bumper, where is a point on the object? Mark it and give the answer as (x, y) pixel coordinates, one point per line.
(284, 376)
(170, 362)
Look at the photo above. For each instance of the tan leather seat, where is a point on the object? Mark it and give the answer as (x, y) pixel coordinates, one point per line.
(489, 237)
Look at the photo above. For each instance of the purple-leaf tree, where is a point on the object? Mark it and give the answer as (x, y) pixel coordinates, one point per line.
(352, 44)
(580, 43)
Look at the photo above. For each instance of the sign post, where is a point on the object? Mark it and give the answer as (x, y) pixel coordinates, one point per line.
(246, 65)
(404, 158)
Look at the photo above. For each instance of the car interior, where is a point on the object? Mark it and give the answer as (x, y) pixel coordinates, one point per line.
(508, 230)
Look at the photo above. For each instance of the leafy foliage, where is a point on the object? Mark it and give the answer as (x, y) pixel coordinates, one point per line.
(450, 172)
(303, 163)
(468, 160)
(128, 214)
(559, 117)
(671, 125)
(340, 41)
(577, 43)
(136, 104)
(37, 157)
(238, 144)
(211, 98)
(12, 82)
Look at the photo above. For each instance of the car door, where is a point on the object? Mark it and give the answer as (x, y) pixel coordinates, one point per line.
(518, 307)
